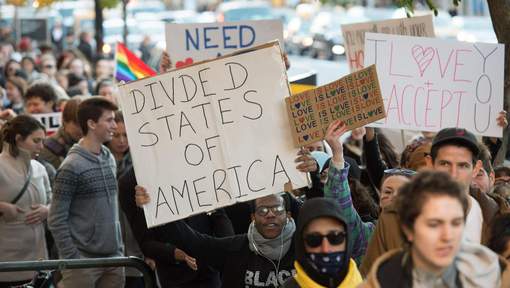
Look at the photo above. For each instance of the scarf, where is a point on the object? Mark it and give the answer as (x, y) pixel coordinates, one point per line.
(352, 279)
(273, 249)
(327, 263)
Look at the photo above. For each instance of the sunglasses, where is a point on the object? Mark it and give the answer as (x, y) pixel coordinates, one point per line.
(264, 210)
(400, 171)
(314, 240)
(49, 66)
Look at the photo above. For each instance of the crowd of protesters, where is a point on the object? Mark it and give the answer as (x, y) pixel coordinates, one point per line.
(434, 215)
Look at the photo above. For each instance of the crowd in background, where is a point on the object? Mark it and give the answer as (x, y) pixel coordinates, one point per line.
(433, 215)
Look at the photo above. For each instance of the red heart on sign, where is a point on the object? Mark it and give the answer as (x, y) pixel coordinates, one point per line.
(186, 62)
(302, 119)
(422, 57)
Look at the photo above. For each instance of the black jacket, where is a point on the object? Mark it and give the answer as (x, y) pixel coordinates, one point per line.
(239, 266)
(159, 243)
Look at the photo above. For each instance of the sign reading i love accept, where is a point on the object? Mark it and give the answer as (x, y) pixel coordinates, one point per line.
(429, 84)
(355, 99)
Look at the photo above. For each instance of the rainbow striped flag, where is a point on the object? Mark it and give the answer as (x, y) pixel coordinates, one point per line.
(128, 67)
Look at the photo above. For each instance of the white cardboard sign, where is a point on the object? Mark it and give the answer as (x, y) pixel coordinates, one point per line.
(354, 34)
(52, 121)
(191, 43)
(428, 84)
(211, 134)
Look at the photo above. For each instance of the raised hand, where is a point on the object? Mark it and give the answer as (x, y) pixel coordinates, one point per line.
(335, 130)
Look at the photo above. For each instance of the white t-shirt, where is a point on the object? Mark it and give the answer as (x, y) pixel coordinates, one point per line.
(474, 221)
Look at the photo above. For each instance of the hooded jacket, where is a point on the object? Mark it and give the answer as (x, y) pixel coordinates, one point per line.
(476, 266)
(232, 257)
(306, 275)
(388, 235)
(84, 217)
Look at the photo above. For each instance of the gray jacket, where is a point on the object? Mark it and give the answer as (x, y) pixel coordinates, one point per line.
(84, 217)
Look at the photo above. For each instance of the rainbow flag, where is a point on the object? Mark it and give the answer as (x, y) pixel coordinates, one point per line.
(129, 67)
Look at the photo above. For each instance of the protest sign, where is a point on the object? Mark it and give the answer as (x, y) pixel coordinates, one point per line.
(355, 99)
(428, 84)
(51, 121)
(354, 34)
(190, 43)
(211, 134)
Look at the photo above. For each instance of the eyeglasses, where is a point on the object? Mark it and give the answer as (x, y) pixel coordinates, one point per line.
(314, 240)
(400, 171)
(264, 210)
(48, 66)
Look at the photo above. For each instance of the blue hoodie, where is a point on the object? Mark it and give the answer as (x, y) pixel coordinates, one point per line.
(84, 216)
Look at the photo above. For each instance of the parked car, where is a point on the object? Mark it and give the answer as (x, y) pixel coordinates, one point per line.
(326, 31)
(475, 29)
(244, 10)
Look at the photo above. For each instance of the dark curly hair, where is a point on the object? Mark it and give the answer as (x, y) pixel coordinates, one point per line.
(500, 233)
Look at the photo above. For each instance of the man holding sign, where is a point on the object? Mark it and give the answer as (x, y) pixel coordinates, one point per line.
(198, 122)
(263, 257)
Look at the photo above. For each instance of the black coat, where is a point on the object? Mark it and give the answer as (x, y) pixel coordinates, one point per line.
(159, 243)
(238, 265)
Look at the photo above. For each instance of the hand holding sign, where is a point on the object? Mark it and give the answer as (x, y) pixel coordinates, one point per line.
(306, 163)
(333, 134)
(501, 120)
(142, 197)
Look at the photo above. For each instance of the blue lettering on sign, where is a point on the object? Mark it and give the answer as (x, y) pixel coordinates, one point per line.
(213, 39)
(226, 38)
(207, 39)
(189, 38)
(242, 44)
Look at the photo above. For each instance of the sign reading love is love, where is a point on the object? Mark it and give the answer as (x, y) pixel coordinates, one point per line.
(355, 99)
(189, 43)
(354, 34)
(211, 134)
(429, 84)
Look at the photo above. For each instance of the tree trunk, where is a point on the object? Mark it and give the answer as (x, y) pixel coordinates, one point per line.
(98, 25)
(500, 15)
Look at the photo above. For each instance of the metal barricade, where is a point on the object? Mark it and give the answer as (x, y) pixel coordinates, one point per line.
(62, 264)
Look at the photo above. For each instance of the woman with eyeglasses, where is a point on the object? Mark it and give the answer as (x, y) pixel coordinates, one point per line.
(432, 211)
(323, 248)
